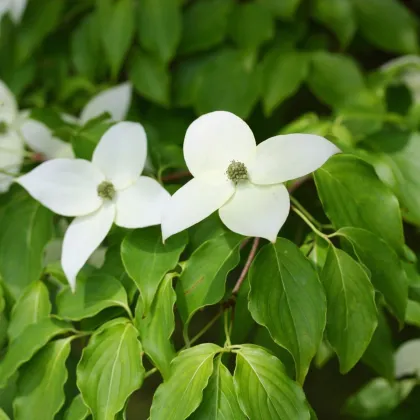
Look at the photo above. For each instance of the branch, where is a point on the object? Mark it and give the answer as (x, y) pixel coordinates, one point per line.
(175, 176)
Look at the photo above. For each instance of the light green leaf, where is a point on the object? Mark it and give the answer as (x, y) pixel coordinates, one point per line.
(282, 8)
(351, 311)
(350, 192)
(41, 382)
(230, 81)
(33, 338)
(338, 16)
(379, 355)
(157, 325)
(387, 273)
(284, 72)
(182, 393)
(412, 316)
(3, 415)
(387, 24)
(334, 77)
(287, 298)
(147, 260)
(110, 369)
(116, 31)
(33, 305)
(159, 27)
(205, 25)
(203, 278)
(318, 253)
(93, 294)
(219, 398)
(77, 409)
(263, 388)
(251, 25)
(25, 229)
(150, 77)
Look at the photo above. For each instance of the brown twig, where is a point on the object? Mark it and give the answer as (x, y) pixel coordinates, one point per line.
(175, 176)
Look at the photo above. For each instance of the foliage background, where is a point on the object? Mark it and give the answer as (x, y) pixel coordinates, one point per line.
(271, 62)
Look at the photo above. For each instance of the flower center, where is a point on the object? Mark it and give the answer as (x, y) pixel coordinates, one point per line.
(3, 127)
(106, 190)
(237, 171)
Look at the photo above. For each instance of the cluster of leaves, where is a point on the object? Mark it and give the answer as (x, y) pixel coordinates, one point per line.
(310, 296)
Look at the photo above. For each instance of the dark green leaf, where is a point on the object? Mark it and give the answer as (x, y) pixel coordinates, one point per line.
(159, 27)
(25, 229)
(284, 72)
(350, 192)
(33, 305)
(205, 25)
(110, 369)
(387, 24)
(351, 312)
(182, 393)
(41, 382)
(263, 388)
(77, 409)
(282, 8)
(287, 297)
(93, 294)
(203, 277)
(33, 338)
(150, 78)
(147, 260)
(157, 325)
(219, 398)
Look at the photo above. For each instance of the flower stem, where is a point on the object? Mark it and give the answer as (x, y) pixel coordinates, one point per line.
(305, 212)
(205, 328)
(226, 328)
(310, 224)
(245, 270)
(150, 372)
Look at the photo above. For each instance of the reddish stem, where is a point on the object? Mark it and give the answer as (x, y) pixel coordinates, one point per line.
(175, 176)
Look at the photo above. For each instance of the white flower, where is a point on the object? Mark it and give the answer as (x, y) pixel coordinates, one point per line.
(15, 128)
(116, 101)
(244, 181)
(14, 7)
(109, 189)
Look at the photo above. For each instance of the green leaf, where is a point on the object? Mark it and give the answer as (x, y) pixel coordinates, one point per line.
(157, 325)
(284, 73)
(351, 311)
(110, 369)
(379, 355)
(147, 260)
(287, 298)
(263, 388)
(387, 273)
(181, 394)
(334, 78)
(203, 277)
(41, 382)
(387, 24)
(219, 398)
(150, 77)
(338, 16)
(159, 27)
(318, 253)
(33, 338)
(412, 316)
(32, 306)
(77, 409)
(350, 192)
(93, 294)
(3, 415)
(116, 31)
(251, 25)
(230, 81)
(205, 25)
(40, 19)
(282, 8)
(25, 229)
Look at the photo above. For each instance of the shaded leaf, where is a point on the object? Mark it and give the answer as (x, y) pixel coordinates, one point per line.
(77, 409)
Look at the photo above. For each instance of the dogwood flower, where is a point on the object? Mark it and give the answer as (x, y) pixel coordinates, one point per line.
(14, 7)
(99, 193)
(16, 128)
(240, 179)
(116, 101)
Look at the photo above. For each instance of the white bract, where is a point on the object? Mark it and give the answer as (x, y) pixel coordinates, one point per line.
(14, 7)
(407, 359)
(109, 189)
(16, 128)
(244, 181)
